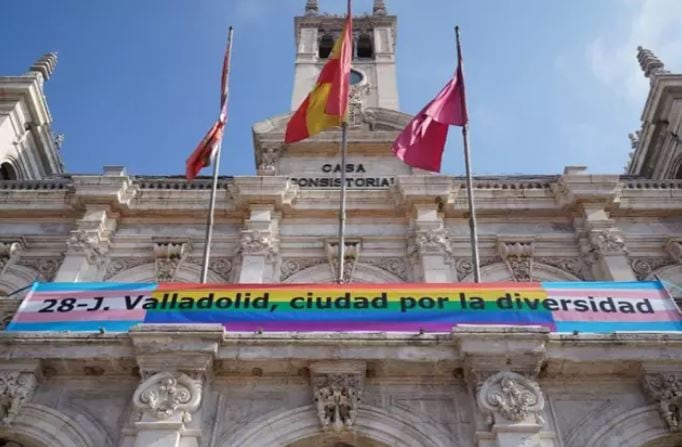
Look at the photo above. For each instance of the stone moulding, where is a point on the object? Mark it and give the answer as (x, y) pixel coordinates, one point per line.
(666, 389)
(511, 397)
(167, 394)
(16, 389)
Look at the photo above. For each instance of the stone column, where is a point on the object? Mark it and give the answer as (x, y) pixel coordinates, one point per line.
(259, 245)
(175, 364)
(501, 364)
(432, 244)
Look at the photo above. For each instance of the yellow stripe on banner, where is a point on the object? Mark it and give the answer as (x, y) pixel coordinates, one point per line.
(316, 119)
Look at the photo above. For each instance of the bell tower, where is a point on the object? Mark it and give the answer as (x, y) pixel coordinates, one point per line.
(373, 77)
(28, 149)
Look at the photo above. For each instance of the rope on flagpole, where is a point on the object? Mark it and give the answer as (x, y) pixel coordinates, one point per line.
(470, 185)
(342, 206)
(216, 169)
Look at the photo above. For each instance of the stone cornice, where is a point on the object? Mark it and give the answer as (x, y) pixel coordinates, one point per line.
(279, 191)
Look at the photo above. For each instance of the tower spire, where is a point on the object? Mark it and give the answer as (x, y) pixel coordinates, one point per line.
(379, 7)
(651, 65)
(45, 65)
(312, 7)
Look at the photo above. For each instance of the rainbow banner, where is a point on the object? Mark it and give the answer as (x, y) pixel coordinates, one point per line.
(560, 306)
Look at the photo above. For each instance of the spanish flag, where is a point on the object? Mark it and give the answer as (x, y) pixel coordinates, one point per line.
(326, 104)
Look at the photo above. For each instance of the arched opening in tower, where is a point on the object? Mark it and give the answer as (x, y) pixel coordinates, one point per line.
(7, 172)
(326, 45)
(365, 48)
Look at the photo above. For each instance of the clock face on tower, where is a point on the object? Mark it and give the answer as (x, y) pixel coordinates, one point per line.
(355, 77)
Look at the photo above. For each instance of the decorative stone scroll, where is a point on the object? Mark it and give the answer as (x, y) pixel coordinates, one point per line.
(511, 398)
(666, 389)
(16, 389)
(518, 256)
(46, 266)
(258, 242)
(9, 251)
(674, 249)
(336, 398)
(291, 266)
(643, 267)
(169, 257)
(168, 394)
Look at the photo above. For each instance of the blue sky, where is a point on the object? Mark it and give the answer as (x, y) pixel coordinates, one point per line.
(550, 83)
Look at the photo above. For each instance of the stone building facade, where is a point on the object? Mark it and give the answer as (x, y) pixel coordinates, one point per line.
(198, 385)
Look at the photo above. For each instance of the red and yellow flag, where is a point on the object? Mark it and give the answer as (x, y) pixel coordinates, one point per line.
(326, 104)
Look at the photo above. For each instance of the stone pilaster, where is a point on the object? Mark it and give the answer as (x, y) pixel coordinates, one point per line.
(175, 363)
(501, 364)
(601, 242)
(431, 244)
(259, 245)
(87, 245)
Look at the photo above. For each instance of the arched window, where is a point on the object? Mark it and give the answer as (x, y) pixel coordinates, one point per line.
(365, 48)
(326, 45)
(7, 172)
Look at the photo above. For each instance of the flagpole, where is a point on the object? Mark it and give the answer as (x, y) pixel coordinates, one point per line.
(342, 206)
(214, 185)
(470, 187)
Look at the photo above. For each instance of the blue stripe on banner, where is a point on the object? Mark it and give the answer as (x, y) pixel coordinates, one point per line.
(634, 285)
(85, 286)
(73, 326)
(625, 326)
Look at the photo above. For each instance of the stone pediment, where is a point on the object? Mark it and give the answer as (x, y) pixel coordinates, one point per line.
(371, 135)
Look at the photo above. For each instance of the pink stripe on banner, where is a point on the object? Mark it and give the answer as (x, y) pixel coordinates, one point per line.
(603, 293)
(81, 315)
(43, 295)
(613, 317)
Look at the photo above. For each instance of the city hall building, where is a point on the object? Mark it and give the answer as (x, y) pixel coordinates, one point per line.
(197, 385)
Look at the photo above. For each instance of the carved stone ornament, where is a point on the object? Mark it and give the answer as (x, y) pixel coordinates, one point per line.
(573, 266)
(512, 397)
(608, 242)
(650, 64)
(16, 389)
(643, 267)
(167, 394)
(169, 257)
(9, 251)
(90, 243)
(46, 266)
(350, 258)
(258, 242)
(666, 389)
(118, 265)
(269, 156)
(291, 266)
(394, 265)
(336, 398)
(356, 118)
(518, 256)
(433, 241)
(674, 249)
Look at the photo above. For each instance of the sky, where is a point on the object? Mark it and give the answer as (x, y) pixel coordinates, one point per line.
(549, 83)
